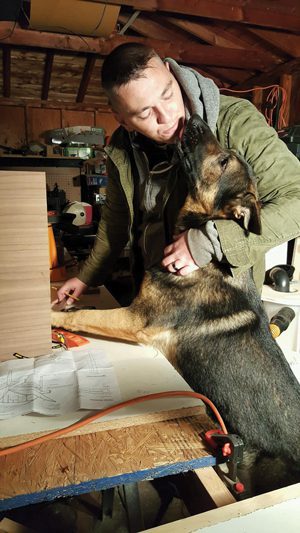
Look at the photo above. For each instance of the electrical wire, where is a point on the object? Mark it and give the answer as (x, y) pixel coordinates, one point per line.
(273, 98)
(111, 409)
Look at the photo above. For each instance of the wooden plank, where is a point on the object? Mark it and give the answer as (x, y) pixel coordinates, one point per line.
(215, 487)
(290, 67)
(6, 59)
(12, 131)
(151, 25)
(77, 118)
(105, 459)
(287, 42)
(86, 76)
(10, 526)
(40, 120)
(162, 29)
(93, 104)
(114, 423)
(286, 82)
(223, 515)
(47, 74)
(106, 121)
(24, 265)
(205, 54)
(219, 33)
(257, 98)
(285, 15)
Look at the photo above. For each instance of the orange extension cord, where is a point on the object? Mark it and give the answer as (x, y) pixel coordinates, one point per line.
(84, 422)
(272, 100)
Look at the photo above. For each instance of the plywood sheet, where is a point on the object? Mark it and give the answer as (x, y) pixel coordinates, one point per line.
(24, 265)
(103, 455)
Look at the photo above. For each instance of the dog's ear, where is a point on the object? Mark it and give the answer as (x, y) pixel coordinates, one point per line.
(248, 211)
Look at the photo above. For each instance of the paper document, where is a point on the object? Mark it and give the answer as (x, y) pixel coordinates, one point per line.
(57, 383)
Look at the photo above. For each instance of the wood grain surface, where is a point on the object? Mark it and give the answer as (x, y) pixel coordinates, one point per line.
(107, 454)
(24, 265)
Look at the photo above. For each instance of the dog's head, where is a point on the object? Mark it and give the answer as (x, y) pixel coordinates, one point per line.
(220, 183)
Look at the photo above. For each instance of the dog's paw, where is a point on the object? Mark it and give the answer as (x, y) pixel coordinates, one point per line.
(57, 319)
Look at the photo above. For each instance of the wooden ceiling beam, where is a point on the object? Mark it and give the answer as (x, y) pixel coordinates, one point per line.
(266, 13)
(151, 26)
(200, 54)
(98, 106)
(287, 42)
(86, 76)
(47, 74)
(6, 61)
(266, 78)
(206, 32)
(233, 36)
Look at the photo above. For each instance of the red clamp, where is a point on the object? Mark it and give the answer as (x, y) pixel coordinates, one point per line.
(211, 437)
(229, 446)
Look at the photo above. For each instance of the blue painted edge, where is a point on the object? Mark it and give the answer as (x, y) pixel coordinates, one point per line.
(105, 483)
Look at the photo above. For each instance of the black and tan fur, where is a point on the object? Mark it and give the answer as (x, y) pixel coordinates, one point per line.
(212, 326)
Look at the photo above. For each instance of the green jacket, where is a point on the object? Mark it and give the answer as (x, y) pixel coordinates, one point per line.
(242, 128)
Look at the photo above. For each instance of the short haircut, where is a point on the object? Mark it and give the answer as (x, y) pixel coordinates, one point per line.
(125, 63)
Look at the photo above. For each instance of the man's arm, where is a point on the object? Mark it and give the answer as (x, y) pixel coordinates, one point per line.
(112, 234)
(277, 172)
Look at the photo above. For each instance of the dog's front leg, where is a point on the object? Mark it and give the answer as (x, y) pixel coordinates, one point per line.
(123, 324)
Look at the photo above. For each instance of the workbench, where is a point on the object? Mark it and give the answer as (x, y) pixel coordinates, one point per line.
(144, 441)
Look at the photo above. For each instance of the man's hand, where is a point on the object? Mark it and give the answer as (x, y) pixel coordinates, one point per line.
(177, 256)
(71, 288)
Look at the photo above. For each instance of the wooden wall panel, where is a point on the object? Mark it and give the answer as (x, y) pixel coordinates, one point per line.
(77, 118)
(106, 121)
(12, 131)
(40, 120)
(24, 265)
(20, 124)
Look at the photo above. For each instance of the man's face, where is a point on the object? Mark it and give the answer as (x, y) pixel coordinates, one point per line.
(151, 105)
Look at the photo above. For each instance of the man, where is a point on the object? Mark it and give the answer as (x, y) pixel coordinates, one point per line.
(152, 99)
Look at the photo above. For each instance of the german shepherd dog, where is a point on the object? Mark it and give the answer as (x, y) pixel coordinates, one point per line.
(212, 326)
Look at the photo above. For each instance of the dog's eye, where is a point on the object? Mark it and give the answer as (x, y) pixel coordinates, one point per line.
(223, 162)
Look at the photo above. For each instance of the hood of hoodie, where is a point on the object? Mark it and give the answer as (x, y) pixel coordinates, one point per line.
(202, 94)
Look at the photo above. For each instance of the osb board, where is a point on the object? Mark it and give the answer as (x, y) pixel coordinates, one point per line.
(110, 423)
(74, 460)
(24, 265)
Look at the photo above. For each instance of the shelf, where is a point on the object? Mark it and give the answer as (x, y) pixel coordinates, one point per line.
(38, 161)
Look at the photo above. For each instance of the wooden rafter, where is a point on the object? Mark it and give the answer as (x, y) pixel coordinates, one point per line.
(266, 13)
(229, 35)
(291, 67)
(201, 54)
(155, 26)
(86, 76)
(6, 71)
(289, 43)
(47, 74)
